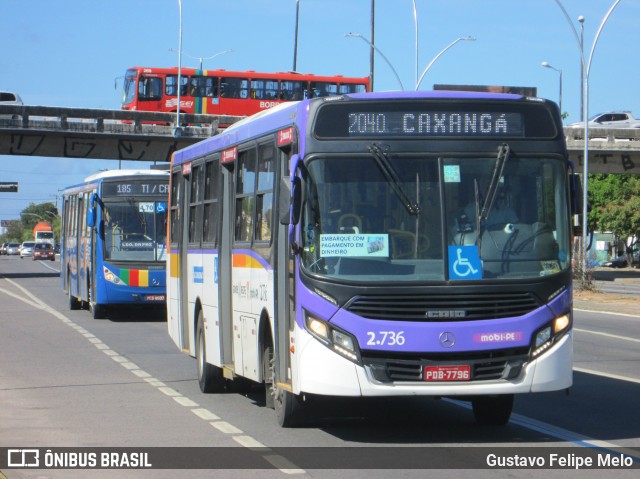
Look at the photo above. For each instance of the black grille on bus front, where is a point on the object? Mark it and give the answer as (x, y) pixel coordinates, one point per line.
(444, 307)
(484, 366)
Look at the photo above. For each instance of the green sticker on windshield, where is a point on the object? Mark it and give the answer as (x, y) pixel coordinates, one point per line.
(452, 173)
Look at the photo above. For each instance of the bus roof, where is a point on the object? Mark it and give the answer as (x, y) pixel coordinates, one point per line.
(290, 75)
(119, 173)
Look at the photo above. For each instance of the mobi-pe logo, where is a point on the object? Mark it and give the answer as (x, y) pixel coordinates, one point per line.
(23, 458)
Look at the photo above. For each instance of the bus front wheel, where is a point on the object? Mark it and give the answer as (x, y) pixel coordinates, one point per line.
(97, 310)
(210, 378)
(493, 410)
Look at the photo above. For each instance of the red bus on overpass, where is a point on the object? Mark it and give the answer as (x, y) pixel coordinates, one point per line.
(223, 92)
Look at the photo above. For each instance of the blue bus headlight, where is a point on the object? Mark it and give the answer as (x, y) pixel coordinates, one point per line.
(550, 334)
(111, 277)
(335, 339)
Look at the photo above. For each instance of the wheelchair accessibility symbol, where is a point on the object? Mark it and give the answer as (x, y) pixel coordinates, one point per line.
(464, 263)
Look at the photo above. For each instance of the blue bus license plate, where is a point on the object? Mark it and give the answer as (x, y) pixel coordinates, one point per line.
(447, 373)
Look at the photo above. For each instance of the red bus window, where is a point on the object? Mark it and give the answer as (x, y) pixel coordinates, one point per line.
(264, 89)
(320, 88)
(234, 87)
(293, 90)
(150, 88)
(172, 81)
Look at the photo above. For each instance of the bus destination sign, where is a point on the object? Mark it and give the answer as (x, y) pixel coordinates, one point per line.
(435, 123)
(130, 188)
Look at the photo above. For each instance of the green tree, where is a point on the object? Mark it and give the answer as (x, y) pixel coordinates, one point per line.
(35, 213)
(615, 207)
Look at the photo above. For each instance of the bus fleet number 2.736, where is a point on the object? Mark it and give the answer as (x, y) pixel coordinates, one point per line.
(385, 338)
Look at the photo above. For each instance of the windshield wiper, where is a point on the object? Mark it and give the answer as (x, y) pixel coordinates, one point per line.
(392, 177)
(489, 199)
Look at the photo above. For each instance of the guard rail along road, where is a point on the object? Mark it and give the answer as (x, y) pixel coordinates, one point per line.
(150, 136)
(100, 134)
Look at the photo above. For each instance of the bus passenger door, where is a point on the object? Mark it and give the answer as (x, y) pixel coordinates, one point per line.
(177, 305)
(225, 276)
(284, 286)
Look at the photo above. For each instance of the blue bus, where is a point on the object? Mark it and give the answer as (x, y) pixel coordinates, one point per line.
(113, 240)
(378, 244)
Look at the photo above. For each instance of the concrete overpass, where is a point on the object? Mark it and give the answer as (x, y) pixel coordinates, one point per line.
(100, 134)
(610, 150)
(126, 135)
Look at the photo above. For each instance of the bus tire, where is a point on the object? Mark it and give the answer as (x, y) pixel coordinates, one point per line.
(289, 408)
(267, 373)
(210, 378)
(74, 304)
(97, 311)
(492, 410)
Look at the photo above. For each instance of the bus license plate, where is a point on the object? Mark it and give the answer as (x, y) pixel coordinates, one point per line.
(155, 297)
(447, 373)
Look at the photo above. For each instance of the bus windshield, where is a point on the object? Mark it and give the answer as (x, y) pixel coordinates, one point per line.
(134, 230)
(410, 218)
(129, 89)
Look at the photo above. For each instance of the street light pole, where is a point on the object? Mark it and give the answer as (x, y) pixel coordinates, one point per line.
(295, 40)
(373, 40)
(470, 39)
(178, 131)
(548, 65)
(357, 35)
(586, 67)
(581, 20)
(415, 23)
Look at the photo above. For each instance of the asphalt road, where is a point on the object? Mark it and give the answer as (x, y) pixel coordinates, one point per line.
(69, 381)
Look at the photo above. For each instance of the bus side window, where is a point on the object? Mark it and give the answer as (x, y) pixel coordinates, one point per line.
(245, 193)
(150, 88)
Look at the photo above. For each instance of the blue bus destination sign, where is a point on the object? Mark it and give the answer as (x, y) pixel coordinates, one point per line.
(128, 188)
(435, 123)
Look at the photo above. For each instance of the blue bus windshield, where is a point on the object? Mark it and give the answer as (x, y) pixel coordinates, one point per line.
(134, 230)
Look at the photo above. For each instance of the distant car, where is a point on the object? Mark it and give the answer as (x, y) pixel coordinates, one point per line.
(4, 248)
(10, 98)
(27, 249)
(13, 248)
(43, 251)
(612, 119)
(615, 263)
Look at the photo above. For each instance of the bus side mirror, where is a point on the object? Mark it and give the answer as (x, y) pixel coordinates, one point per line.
(290, 201)
(284, 202)
(91, 217)
(296, 200)
(576, 191)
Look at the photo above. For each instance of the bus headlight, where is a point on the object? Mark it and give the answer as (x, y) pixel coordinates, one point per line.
(550, 334)
(111, 277)
(335, 339)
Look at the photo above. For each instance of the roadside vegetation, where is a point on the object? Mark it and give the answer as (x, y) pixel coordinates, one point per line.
(22, 229)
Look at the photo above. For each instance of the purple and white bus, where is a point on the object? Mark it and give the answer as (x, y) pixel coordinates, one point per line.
(379, 244)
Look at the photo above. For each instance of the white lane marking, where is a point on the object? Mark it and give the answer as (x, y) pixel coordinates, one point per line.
(281, 463)
(607, 312)
(608, 335)
(185, 401)
(607, 375)
(205, 414)
(248, 441)
(226, 427)
(169, 392)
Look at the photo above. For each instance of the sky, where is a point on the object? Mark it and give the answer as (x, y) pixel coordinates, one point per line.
(70, 52)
